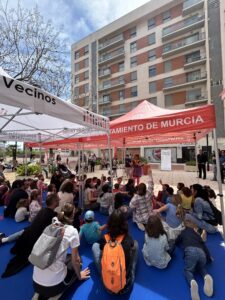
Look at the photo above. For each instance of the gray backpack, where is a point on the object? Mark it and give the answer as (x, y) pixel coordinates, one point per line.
(46, 247)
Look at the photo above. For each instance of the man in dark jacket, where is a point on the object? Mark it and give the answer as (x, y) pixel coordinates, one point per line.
(202, 160)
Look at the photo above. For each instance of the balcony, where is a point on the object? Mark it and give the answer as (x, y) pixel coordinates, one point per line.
(112, 56)
(190, 6)
(103, 101)
(113, 84)
(110, 43)
(104, 73)
(194, 61)
(182, 27)
(197, 100)
(185, 80)
(190, 42)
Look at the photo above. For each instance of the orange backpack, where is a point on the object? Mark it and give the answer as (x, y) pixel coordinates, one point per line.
(113, 264)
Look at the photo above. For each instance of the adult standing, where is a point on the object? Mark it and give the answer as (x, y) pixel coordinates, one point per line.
(222, 164)
(137, 168)
(128, 166)
(202, 160)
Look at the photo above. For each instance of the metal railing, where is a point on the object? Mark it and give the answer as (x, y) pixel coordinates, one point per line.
(184, 23)
(110, 41)
(104, 72)
(111, 55)
(185, 79)
(184, 42)
(190, 60)
(188, 3)
(111, 84)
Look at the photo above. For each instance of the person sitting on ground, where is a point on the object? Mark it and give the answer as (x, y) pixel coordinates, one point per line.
(117, 227)
(66, 269)
(196, 255)
(51, 189)
(162, 195)
(118, 203)
(187, 198)
(202, 214)
(65, 195)
(22, 213)
(90, 202)
(169, 192)
(180, 186)
(212, 195)
(141, 203)
(156, 250)
(91, 230)
(105, 200)
(174, 217)
(34, 206)
(130, 188)
(18, 192)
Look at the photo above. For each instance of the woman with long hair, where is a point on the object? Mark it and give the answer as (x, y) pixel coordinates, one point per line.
(117, 226)
(66, 269)
(137, 168)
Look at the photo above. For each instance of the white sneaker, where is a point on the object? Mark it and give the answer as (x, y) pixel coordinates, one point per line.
(194, 290)
(208, 285)
(141, 226)
(204, 235)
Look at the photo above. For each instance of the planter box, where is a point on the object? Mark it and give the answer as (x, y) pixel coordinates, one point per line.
(145, 169)
(190, 168)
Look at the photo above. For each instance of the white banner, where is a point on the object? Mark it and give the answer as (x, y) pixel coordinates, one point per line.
(166, 160)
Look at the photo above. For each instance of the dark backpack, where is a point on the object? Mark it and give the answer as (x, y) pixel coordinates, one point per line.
(217, 220)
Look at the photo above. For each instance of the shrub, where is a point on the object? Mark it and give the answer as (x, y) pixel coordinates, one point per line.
(32, 169)
(191, 163)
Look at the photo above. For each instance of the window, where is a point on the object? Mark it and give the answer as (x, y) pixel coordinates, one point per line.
(86, 75)
(133, 32)
(195, 56)
(122, 108)
(193, 95)
(121, 66)
(133, 47)
(151, 55)
(121, 95)
(151, 39)
(152, 87)
(168, 82)
(168, 100)
(86, 49)
(86, 88)
(167, 66)
(86, 63)
(106, 98)
(151, 23)
(166, 16)
(133, 76)
(106, 83)
(76, 91)
(76, 79)
(152, 71)
(77, 67)
(153, 100)
(133, 61)
(77, 55)
(193, 76)
(133, 91)
(121, 80)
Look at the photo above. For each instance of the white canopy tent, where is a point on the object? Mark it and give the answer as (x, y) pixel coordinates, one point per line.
(30, 114)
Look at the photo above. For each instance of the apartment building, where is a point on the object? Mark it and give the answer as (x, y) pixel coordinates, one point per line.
(168, 52)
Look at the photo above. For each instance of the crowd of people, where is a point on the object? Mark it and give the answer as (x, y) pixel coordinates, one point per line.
(166, 220)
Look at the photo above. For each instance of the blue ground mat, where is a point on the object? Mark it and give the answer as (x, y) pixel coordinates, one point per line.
(150, 283)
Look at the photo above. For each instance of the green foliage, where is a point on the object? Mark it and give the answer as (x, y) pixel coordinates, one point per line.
(143, 160)
(191, 163)
(31, 169)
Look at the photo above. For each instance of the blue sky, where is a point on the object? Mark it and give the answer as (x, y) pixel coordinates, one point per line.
(78, 18)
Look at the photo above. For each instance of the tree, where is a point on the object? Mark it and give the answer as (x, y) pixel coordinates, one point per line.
(31, 50)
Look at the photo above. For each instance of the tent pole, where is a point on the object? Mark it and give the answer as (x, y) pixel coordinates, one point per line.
(219, 180)
(25, 152)
(196, 153)
(110, 155)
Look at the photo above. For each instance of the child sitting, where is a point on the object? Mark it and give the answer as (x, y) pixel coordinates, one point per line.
(91, 229)
(21, 213)
(196, 255)
(156, 247)
(34, 206)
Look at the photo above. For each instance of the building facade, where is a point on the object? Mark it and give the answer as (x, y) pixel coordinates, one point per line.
(170, 53)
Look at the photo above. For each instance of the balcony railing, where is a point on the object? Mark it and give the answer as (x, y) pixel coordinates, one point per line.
(111, 84)
(183, 43)
(197, 98)
(180, 26)
(104, 72)
(187, 79)
(102, 101)
(110, 42)
(111, 55)
(192, 5)
(190, 60)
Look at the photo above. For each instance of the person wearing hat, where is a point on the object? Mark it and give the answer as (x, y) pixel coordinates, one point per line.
(91, 229)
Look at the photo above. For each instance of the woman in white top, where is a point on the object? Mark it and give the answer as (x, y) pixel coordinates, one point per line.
(65, 195)
(66, 269)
